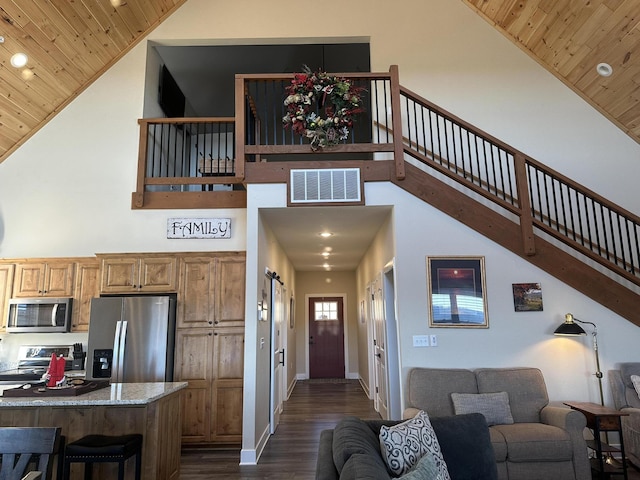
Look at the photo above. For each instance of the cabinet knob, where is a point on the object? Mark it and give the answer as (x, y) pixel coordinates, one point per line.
(210, 322)
(210, 333)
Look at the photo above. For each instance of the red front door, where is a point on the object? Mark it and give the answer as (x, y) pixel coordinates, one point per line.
(326, 338)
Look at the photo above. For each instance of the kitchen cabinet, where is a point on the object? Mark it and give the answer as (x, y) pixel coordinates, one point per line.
(211, 291)
(210, 347)
(6, 286)
(135, 273)
(87, 286)
(44, 278)
(212, 361)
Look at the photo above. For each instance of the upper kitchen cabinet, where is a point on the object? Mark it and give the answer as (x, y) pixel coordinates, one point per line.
(87, 286)
(44, 278)
(211, 292)
(138, 273)
(6, 285)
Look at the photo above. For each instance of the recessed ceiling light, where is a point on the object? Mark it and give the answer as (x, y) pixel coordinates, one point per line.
(1, 39)
(604, 69)
(19, 60)
(325, 254)
(117, 3)
(326, 234)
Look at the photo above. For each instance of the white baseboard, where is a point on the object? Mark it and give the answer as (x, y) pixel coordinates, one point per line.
(251, 456)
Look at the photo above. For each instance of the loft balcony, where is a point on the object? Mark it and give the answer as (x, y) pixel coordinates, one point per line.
(517, 201)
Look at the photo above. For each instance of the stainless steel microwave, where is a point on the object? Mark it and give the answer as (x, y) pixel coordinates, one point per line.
(39, 315)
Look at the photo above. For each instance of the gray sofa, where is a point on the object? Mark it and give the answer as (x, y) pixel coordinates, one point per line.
(544, 442)
(351, 450)
(626, 398)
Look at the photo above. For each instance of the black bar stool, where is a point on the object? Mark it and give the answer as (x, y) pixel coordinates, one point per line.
(103, 448)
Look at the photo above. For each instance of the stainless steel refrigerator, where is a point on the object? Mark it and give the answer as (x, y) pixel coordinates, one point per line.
(131, 339)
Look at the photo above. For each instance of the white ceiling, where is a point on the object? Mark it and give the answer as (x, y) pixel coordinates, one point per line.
(297, 230)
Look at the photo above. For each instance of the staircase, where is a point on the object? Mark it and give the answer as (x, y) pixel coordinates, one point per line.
(535, 212)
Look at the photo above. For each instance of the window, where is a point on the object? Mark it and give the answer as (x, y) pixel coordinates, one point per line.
(326, 311)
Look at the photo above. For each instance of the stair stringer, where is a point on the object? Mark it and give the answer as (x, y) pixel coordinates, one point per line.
(553, 260)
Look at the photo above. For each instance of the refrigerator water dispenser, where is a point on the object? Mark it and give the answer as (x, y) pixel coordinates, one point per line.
(102, 362)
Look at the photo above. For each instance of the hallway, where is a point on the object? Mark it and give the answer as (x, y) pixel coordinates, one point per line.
(290, 453)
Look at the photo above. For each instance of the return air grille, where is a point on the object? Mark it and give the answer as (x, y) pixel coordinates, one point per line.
(327, 185)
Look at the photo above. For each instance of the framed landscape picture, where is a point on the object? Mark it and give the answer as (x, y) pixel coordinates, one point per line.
(457, 292)
(527, 297)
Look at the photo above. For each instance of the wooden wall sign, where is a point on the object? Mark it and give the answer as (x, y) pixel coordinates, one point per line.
(199, 228)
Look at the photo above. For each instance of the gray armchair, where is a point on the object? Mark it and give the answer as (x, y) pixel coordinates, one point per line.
(626, 398)
(543, 442)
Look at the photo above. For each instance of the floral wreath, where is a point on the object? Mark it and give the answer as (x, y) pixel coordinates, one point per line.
(336, 97)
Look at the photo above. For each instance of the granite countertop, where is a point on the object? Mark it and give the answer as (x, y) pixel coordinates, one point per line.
(116, 394)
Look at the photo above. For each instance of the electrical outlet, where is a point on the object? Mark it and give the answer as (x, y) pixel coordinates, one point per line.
(420, 341)
(434, 340)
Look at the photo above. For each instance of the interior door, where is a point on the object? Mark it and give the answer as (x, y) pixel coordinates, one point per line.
(277, 358)
(380, 350)
(326, 337)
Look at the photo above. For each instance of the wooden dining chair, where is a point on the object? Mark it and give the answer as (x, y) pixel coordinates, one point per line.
(22, 446)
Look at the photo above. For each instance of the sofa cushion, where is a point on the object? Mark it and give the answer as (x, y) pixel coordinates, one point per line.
(525, 387)
(430, 389)
(464, 442)
(499, 445)
(493, 406)
(404, 444)
(536, 442)
(363, 466)
(353, 435)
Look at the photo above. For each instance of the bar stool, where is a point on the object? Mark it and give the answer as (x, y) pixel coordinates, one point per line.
(103, 448)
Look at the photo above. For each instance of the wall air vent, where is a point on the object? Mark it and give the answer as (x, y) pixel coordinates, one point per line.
(334, 185)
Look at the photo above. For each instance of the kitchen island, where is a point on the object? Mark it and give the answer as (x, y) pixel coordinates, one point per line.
(152, 409)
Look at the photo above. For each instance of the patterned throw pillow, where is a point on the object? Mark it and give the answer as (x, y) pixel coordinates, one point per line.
(404, 444)
(494, 406)
(635, 379)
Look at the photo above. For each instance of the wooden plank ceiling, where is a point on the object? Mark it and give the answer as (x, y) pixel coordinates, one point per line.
(570, 38)
(70, 43)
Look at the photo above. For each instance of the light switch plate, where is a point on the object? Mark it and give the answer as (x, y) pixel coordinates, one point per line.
(420, 340)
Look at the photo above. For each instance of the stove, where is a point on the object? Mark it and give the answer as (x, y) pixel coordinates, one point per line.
(33, 361)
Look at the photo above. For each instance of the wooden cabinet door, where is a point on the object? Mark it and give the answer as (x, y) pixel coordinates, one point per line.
(6, 286)
(29, 280)
(42, 279)
(228, 363)
(87, 286)
(230, 288)
(195, 297)
(193, 363)
(119, 275)
(158, 274)
(58, 279)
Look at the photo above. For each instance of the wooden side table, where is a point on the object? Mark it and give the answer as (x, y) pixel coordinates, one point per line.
(603, 419)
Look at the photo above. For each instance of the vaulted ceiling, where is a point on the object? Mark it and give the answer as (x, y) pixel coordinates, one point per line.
(70, 43)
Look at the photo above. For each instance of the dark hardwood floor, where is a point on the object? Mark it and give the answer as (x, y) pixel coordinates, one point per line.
(292, 451)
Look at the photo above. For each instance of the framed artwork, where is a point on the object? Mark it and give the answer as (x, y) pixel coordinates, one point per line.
(292, 312)
(527, 297)
(457, 292)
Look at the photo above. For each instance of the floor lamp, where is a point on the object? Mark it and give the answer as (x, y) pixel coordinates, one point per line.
(570, 328)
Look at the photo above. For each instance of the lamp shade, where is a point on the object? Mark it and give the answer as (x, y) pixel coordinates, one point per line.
(569, 327)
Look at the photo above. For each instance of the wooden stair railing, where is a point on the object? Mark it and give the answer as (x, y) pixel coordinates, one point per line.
(542, 199)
